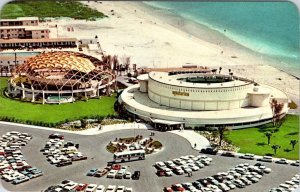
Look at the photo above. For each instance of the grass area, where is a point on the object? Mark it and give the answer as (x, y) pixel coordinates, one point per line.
(111, 148)
(53, 113)
(156, 145)
(49, 8)
(293, 105)
(126, 140)
(253, 140)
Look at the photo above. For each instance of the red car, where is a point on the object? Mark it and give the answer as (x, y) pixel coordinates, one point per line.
(56, 136)
(81, 187)
(161, 173)
(178, 187)
(116, 167)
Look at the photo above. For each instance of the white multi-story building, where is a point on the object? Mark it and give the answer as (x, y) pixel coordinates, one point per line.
(20, 21)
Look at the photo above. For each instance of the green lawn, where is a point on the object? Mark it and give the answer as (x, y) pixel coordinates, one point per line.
(253, 140)
(48, 8)
(53, 113)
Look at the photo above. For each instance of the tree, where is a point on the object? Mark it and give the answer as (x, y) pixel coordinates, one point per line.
(229, 71)
(276, 108)
(293, 143)
(275, 147)
(268, 135)
(220, 69)
(221, 131)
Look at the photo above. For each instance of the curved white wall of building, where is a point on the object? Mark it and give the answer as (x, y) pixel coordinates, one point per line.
(193, 98)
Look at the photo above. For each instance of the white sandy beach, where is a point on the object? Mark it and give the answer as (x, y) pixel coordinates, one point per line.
(156, 41)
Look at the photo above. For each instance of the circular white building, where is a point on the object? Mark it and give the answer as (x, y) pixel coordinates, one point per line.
(201, 99)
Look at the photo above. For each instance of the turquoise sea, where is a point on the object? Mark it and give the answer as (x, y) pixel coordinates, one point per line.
(270, 28)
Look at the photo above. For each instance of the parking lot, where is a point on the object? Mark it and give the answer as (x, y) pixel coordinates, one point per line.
(94, 148)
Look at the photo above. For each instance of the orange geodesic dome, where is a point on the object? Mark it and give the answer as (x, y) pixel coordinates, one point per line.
(62, 70)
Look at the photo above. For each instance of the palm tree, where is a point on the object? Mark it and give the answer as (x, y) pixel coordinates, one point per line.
(268, 135)
(293, 143)
(275, 147)
(276, 110)
(221, 131)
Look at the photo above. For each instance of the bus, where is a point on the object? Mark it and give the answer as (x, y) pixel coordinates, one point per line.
(129, 156)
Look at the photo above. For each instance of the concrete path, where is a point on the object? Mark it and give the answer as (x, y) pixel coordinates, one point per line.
(91, 131)
(193, 138)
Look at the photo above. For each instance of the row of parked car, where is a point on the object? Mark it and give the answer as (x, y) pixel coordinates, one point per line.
(269, 159)
(288, 186)
(13, 165)
(71, 186)
(60, 153)
(181, 165)
(114, 171)
(250, 156)
(237, 177)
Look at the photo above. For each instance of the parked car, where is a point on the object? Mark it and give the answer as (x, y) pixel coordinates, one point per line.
(295, 163)
(266, 159)
(228, 154)
(120, 189)
(64, 163)
(56, 136)
(92, 172)
(120, 174)
(136, 175)
(248, 156)
(100, 188)
(127, 175)
(81, 187)
(209, 150)
(281, 161)
(91, 188)
(103, 172)
(111, 188)
(112, 174)
(116, 167)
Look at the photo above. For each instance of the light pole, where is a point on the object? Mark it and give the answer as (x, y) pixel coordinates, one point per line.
(134, 125)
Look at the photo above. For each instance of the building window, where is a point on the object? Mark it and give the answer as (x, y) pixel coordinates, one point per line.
(42, 31)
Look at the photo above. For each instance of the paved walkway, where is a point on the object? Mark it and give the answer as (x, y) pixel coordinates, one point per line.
(193, 138)
(91, 131)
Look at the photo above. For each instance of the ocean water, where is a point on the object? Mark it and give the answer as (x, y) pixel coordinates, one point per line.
(270, 28)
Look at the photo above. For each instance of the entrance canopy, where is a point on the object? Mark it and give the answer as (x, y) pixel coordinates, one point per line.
(166, 122)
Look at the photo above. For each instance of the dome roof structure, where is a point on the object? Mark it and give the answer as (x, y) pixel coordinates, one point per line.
(61, 70)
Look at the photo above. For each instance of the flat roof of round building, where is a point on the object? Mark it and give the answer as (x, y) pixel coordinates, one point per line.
(168, 79)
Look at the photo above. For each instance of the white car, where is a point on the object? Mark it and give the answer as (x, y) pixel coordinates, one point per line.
(111, 188)
(178, 161)
(100, 188)
(120, 189)
(160, 165)
(128, 189)
(91, 188)
(267, 170)
(281, 161)
(127, 175)
(112, 174)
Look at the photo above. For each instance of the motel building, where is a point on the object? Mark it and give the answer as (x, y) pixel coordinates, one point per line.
(20, 21)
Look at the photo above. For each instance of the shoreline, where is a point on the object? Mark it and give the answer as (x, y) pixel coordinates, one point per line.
(193, 28)
(153, 38)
